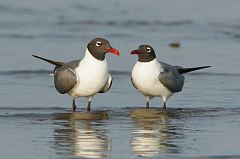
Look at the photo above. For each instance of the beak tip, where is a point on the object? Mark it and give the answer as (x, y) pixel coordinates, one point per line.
(118, 53)
(114, 51)
(134, 52)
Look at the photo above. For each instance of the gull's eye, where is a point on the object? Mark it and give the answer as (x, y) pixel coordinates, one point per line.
(98, 43)
(148, 49)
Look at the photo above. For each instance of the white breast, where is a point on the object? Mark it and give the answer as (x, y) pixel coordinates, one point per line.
(93, 75)
(145, 77)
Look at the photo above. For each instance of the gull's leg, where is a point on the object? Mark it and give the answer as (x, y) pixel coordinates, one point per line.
(74, 105)
(164, 106)
(147, 104)
(89, 104)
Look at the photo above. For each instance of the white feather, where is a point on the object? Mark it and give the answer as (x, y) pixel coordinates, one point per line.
(93, 75)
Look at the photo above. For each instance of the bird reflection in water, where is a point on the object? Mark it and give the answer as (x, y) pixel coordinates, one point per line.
(81, 139)
(153, 133)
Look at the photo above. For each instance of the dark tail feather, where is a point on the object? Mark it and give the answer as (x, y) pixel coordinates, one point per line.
(56, 63)
(186, 70)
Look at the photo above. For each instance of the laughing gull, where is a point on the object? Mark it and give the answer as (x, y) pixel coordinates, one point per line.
(84, 77)
(157, 79)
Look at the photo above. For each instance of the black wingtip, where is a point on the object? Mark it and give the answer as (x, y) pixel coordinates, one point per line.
(35, 56)
(205, 67)
(41, 58)
(56, 63)
(186, 70)
(38, 57)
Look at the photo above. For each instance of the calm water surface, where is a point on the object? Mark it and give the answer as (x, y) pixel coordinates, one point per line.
(202, 121)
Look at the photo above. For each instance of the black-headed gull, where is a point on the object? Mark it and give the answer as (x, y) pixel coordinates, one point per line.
(157, 79)
(84, 77)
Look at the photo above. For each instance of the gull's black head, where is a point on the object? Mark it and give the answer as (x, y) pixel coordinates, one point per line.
(145, 53)
(98, 47)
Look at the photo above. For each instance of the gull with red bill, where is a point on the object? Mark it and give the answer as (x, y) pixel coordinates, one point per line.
(84, 77)
(154, 78)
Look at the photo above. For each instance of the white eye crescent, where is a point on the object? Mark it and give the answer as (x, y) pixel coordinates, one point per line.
(98, 43)
(148, 49)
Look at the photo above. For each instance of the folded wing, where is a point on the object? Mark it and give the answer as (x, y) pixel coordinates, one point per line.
(107, 86)
(171, 78)
(65, 77)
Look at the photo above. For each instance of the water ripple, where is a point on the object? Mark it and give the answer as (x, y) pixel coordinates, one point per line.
(4, 8)
(113, 72)
(173, 113)
(126, 23)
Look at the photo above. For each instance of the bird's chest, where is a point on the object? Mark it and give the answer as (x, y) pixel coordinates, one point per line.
(145, 76)
(92, 78)
(94, 73)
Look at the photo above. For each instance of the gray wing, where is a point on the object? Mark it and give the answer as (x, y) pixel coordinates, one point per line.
(107, 86)
(171, 78)
(65, 77)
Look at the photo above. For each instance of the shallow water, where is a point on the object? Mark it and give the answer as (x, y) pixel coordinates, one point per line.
(201, 122)
(177, 133)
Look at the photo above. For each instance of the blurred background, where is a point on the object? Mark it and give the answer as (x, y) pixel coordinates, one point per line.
(187, 33)
(60, 29)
